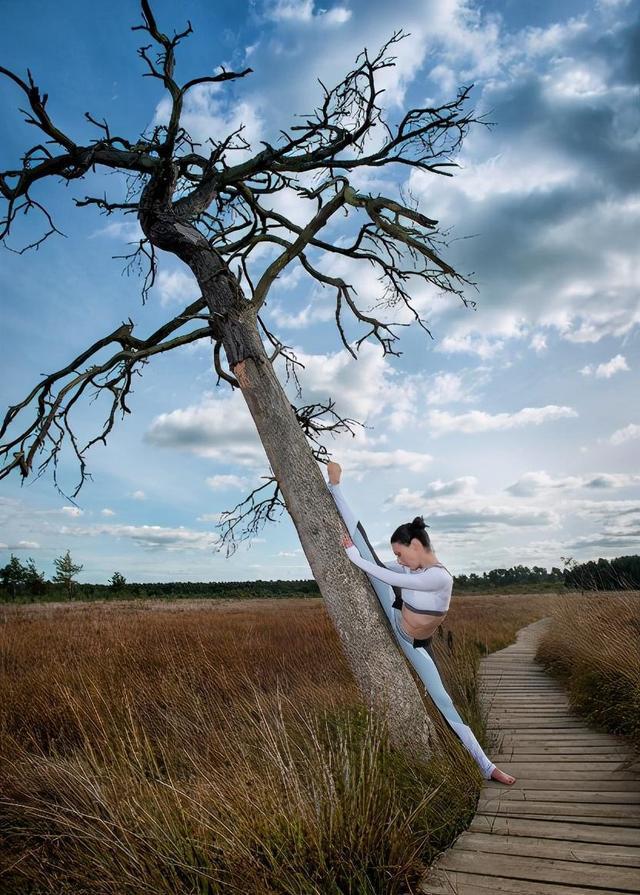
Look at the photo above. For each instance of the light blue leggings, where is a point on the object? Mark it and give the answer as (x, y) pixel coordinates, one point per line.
(421, 657)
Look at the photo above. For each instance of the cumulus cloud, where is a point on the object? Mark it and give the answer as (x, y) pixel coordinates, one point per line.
(150, 537)
(107, 512)
(227, 482)
(533, 483)
(627, 433)
(209, 114)
(466, 511)
(139, 495)
(555, 93)
(465, 484)
(448, 388)
(71, 511)
(218, 428)
(606, 370)
(441, 422)
(306, 12)
(176, 287)
(128, 230)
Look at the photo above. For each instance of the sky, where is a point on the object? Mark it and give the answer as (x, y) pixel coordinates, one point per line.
(514, 431)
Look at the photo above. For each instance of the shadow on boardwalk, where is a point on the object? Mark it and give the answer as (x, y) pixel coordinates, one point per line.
(570, 824)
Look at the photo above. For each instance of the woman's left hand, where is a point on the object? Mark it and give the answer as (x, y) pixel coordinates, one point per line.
(346, 541)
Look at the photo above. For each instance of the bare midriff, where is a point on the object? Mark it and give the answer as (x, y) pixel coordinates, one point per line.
(415, 624)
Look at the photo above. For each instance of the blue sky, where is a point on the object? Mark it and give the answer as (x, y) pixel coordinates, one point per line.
(515, 431)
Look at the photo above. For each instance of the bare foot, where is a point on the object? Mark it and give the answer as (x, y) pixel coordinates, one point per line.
(501, 777)
(334, 471)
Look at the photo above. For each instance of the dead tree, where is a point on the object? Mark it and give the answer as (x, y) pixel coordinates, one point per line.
(213, 214)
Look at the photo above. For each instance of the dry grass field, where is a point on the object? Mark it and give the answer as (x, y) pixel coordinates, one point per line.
(209, 747)
(593, 646)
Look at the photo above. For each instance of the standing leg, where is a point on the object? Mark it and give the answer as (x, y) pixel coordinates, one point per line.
(425, 664)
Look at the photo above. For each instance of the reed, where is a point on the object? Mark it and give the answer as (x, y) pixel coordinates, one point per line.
(593, 647)
(222, 749)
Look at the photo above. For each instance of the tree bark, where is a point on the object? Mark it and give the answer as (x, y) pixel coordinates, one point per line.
(376, 663)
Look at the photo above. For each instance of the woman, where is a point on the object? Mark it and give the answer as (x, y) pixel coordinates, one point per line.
(420, 606)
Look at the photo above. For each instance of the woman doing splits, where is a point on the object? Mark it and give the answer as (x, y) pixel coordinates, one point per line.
(415, 593)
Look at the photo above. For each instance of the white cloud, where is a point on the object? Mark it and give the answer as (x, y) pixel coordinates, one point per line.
(227, 482)
(139, 495)
(606, 370)
(210, 517)
(628, 433)
(208, 113)
(217, 428)
(465, 484)
(360, 387)
(441, 422)
(533, 483)
(305, 12)
(107, 512)
(177, 287)
(337, 16)
(445, 388)
(152, 537)
(72, 511)
(129, 230)
(538, 343)
(358, 461)
(470, 511)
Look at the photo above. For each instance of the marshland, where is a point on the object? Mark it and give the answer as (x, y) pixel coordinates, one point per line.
(213, 747)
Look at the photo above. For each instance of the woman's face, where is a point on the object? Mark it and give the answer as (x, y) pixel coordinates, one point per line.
(409, 555)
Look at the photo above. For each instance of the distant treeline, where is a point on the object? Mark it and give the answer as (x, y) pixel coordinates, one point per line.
(517, 575)
(622, 573)
(23, 582)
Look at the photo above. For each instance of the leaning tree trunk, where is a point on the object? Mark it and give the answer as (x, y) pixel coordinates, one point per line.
(376, 663)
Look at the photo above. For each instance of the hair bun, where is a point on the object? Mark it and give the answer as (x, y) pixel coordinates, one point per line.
(419, 523)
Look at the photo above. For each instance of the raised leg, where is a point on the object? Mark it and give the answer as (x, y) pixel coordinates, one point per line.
(359, 537)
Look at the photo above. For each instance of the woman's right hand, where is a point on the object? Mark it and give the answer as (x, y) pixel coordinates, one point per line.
(334, 471)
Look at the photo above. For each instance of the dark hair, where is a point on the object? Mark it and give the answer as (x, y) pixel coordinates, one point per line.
(416, 529)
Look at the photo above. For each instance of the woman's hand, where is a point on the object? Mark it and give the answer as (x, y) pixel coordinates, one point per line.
(346, 541)
(334, 471)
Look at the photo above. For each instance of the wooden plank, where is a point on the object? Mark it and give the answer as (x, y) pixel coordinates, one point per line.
(544, 828)
(449, 882)
(565, 757)
(622, 879)
(570, 747)
(547, 755)
(624, 814)
(534, 847)
(554, 739)
(538, 723)
(609, 770)
(569, 785)
(600, 786)
(528, 793)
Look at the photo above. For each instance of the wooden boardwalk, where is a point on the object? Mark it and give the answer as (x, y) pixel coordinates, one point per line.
(570, 824)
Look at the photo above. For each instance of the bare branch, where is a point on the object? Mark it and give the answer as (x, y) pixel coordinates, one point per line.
(253, 514)
(50, 422)
(192, 201)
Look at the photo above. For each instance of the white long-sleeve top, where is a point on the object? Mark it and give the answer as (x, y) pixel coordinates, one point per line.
(425, 591)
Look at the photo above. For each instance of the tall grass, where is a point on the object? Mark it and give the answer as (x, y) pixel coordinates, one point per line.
(222, 750)
(593, 646)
